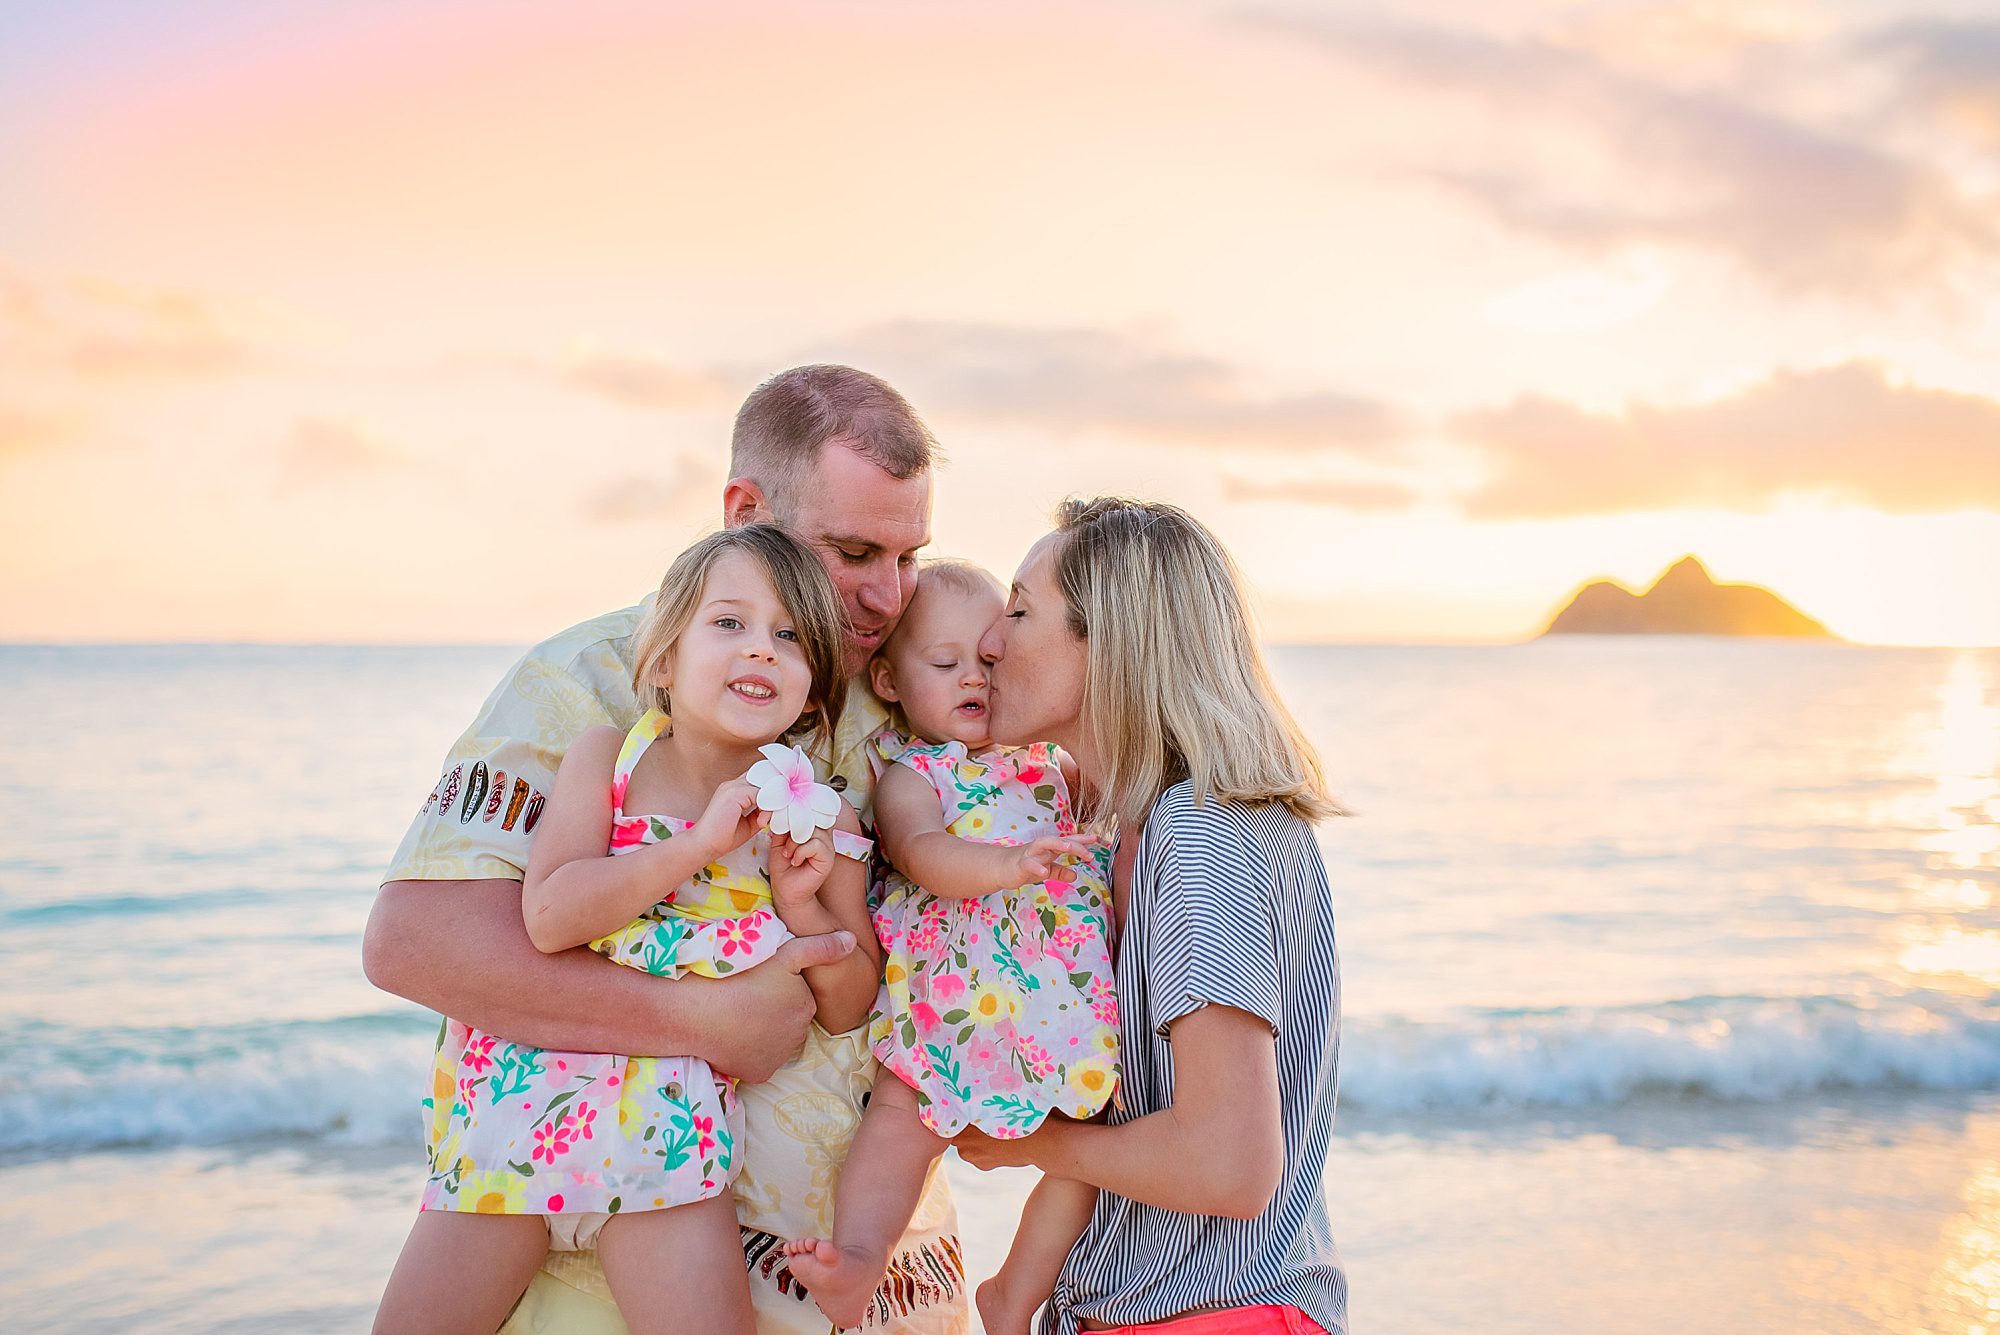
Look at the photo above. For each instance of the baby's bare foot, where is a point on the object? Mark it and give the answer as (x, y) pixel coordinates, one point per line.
(840, 1279)
(1002, 1311)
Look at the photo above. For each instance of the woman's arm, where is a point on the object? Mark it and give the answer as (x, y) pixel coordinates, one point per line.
(1217, 1149)
(844, 990)
(574, 891)
(914, 837)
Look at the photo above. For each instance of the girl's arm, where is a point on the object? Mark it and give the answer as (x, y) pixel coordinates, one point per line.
(574, 890)
(844, 990)
(1217, 1149)
(914, 837)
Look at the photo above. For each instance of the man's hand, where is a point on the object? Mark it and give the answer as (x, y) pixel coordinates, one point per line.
(761, 1015)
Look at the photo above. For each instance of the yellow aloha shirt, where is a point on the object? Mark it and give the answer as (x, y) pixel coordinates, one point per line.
(478, 823)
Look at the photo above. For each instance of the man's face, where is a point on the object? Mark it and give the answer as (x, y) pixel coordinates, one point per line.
(866, 527)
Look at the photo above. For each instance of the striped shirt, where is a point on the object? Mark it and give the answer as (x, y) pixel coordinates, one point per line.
(1229, 906)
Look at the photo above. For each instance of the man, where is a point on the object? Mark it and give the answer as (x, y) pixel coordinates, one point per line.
(840, 460)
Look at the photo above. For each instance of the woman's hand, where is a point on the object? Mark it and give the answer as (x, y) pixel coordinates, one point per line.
(798, 870)
(986, 1153)
(729, 821)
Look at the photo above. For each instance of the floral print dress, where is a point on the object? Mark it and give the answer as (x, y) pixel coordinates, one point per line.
(999, 1010)
(521, 1130)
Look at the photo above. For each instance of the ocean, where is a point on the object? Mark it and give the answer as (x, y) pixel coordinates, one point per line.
(1670, 969)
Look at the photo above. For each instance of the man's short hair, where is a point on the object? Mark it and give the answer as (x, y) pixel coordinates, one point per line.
(788, 419)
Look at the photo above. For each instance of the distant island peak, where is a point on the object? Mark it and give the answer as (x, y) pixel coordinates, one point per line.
(1684, 600)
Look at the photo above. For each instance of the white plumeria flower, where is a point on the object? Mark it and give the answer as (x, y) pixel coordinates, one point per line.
(799, 804)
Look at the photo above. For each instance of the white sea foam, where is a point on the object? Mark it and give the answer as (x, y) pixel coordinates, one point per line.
(1724, 1049)
(350, 1090)
(358, 1085)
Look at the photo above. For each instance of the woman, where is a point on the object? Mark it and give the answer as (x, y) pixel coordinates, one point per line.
(1211, 1215)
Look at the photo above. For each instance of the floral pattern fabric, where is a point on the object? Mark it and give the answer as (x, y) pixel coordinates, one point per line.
(520, 1130)
(999, 1010)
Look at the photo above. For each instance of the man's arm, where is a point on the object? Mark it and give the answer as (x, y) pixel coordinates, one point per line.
(460, 947)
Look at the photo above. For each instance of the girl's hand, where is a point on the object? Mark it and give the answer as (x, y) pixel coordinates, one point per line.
(799, 870)
(730, 820)
(1030, 863)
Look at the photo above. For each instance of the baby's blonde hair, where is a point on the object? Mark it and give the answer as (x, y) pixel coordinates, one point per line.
(949, 572)
(802, 585)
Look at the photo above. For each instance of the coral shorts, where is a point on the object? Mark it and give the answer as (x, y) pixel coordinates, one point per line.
(1267, 1320)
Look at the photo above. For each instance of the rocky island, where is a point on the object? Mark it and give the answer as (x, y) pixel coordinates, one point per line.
(1685, 600)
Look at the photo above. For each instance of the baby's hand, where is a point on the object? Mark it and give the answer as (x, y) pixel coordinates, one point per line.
(799, 870)
(730, 820)
(1033, 862)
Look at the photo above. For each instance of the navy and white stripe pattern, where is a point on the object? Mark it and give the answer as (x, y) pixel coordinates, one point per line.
(1229, 906)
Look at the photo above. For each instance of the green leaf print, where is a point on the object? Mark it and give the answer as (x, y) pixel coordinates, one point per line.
(1045, 793)
(514, 1070)
(958, 1015)
(677, 1147)
(1016, 1111)
(524, 1169)
(661, 951)
(947, 1068)
(1003, 955)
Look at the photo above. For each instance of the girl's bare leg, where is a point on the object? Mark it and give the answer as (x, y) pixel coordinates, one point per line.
(1057, 1212)
(879, 1190)
(461, 1272)
(678, 1270)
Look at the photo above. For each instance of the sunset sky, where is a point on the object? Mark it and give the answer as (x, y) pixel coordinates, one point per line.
(425, 321)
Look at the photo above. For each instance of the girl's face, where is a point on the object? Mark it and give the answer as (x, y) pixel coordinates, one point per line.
(931, 665)
(1037, 662)
(738, 673)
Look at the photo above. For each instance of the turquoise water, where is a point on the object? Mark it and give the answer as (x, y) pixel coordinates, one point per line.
(1605, 905)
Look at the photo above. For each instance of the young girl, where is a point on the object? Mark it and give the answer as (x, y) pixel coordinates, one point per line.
(997, 1006)
(634, 1155)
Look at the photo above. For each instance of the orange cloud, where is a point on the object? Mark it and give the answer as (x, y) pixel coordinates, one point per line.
(1802, 204)
(1846, 433)
(694, 487)
(1338, 494)
(1070, 380)
(98, 330)
(328, 451)
(25, 430)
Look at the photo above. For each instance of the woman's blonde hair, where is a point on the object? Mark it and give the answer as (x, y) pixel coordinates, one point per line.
(1175, 686)
(802, 585)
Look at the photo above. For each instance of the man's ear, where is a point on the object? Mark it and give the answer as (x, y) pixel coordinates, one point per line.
(882, 678)
(744, 502)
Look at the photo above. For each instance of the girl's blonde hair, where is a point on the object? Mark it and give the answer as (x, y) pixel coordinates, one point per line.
(802, 585)
(1175, 686)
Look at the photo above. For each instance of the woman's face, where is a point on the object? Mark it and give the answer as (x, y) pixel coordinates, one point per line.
(1038, 663)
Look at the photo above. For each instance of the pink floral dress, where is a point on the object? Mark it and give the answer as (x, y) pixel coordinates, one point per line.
(520, 1130)
(1000, 1010)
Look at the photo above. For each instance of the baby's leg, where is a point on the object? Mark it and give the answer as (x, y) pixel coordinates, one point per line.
(462, 1272)
(678, 1269)
(1057, 1212)
(879, 1190)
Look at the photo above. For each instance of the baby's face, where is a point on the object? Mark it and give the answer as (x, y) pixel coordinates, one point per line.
(931, 665)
